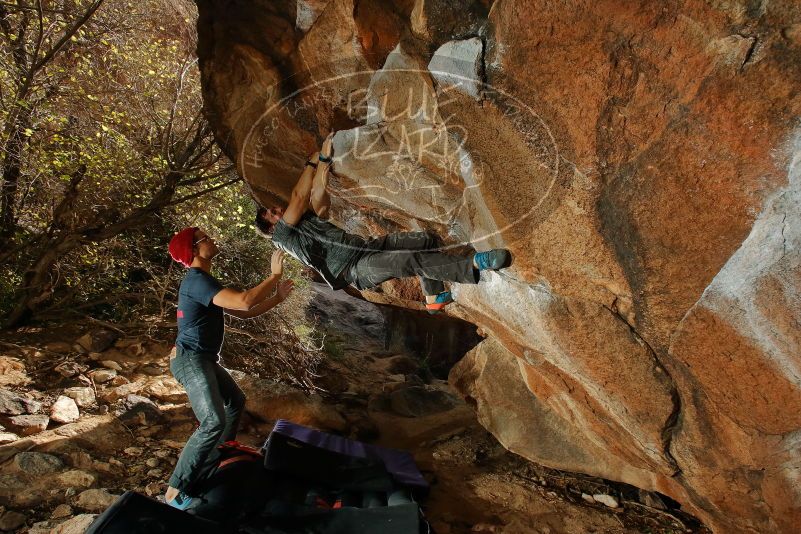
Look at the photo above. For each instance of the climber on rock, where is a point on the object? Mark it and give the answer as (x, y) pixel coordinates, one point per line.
(215, 398)
(342, 258)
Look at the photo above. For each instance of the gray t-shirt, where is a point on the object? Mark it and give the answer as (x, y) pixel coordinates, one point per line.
(320, 245)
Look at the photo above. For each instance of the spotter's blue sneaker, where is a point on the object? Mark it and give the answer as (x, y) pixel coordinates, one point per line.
(442, 300)
(182, 501)
(493, 259)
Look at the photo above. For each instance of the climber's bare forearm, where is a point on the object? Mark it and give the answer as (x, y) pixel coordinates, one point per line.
(320, 199)
(259, 309)
(299, 199)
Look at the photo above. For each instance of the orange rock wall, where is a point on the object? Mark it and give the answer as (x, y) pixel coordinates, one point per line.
(642, 160)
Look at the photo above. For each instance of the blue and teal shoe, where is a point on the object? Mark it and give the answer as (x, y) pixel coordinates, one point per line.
(182, 501)
(492, 260)
(442, 300)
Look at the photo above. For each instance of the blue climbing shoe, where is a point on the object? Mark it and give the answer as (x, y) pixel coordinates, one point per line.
(492, 259)
(182, 501)
(442, 300)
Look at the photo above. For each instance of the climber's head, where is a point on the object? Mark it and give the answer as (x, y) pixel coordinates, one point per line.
(203, 245)
(266, 219)
(191, 243)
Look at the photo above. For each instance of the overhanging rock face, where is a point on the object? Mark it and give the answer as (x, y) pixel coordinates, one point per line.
(642, 160)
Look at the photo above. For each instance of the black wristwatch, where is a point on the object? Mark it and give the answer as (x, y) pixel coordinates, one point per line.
(310, 163)
(325, 159)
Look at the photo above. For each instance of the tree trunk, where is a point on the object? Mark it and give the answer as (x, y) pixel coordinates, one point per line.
(11, 174)
(35, 288)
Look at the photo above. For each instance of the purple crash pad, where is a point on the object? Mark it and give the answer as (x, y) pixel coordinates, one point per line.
(399, 464)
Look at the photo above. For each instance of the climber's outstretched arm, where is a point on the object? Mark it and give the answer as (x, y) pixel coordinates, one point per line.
(320, 200)
(299, 199)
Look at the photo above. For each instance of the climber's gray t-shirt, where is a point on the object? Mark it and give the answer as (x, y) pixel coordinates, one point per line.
(320, 245)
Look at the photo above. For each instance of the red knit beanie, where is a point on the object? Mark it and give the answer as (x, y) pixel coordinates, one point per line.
(181, 246)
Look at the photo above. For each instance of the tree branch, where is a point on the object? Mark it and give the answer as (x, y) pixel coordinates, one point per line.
(204, 192)
(205, 177)
(77, 25)
(67, 204)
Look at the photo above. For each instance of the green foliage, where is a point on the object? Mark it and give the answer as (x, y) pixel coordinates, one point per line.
(109, 155)
(9, 281)
(121, 100)
(227, 215)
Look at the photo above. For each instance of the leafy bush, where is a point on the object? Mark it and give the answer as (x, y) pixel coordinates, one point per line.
(105, 154)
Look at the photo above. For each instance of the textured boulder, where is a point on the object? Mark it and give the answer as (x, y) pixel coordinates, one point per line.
(138, 410)
(739, 344)
(11, 520)
(459, 64)
(83, 396)
(26, 425)
(38, 463)
(493, 378)
(12, 372)
(74, 525)
(64, 410)
(13, 404)
(98, 340)
(640, 159)
(76, 478)
(101, 376)
(95, 500)
(166, 389)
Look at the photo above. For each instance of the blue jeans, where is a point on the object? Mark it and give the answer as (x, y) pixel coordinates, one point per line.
(217, 402)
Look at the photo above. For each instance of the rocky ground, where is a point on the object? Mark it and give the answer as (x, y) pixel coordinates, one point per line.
(87, 415)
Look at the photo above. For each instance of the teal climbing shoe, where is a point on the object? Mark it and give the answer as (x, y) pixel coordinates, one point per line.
(492, 259)
(442, 300)
(182, 501)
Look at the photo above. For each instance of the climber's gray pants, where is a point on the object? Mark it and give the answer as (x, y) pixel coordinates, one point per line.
(405, 254)
(218, 404)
